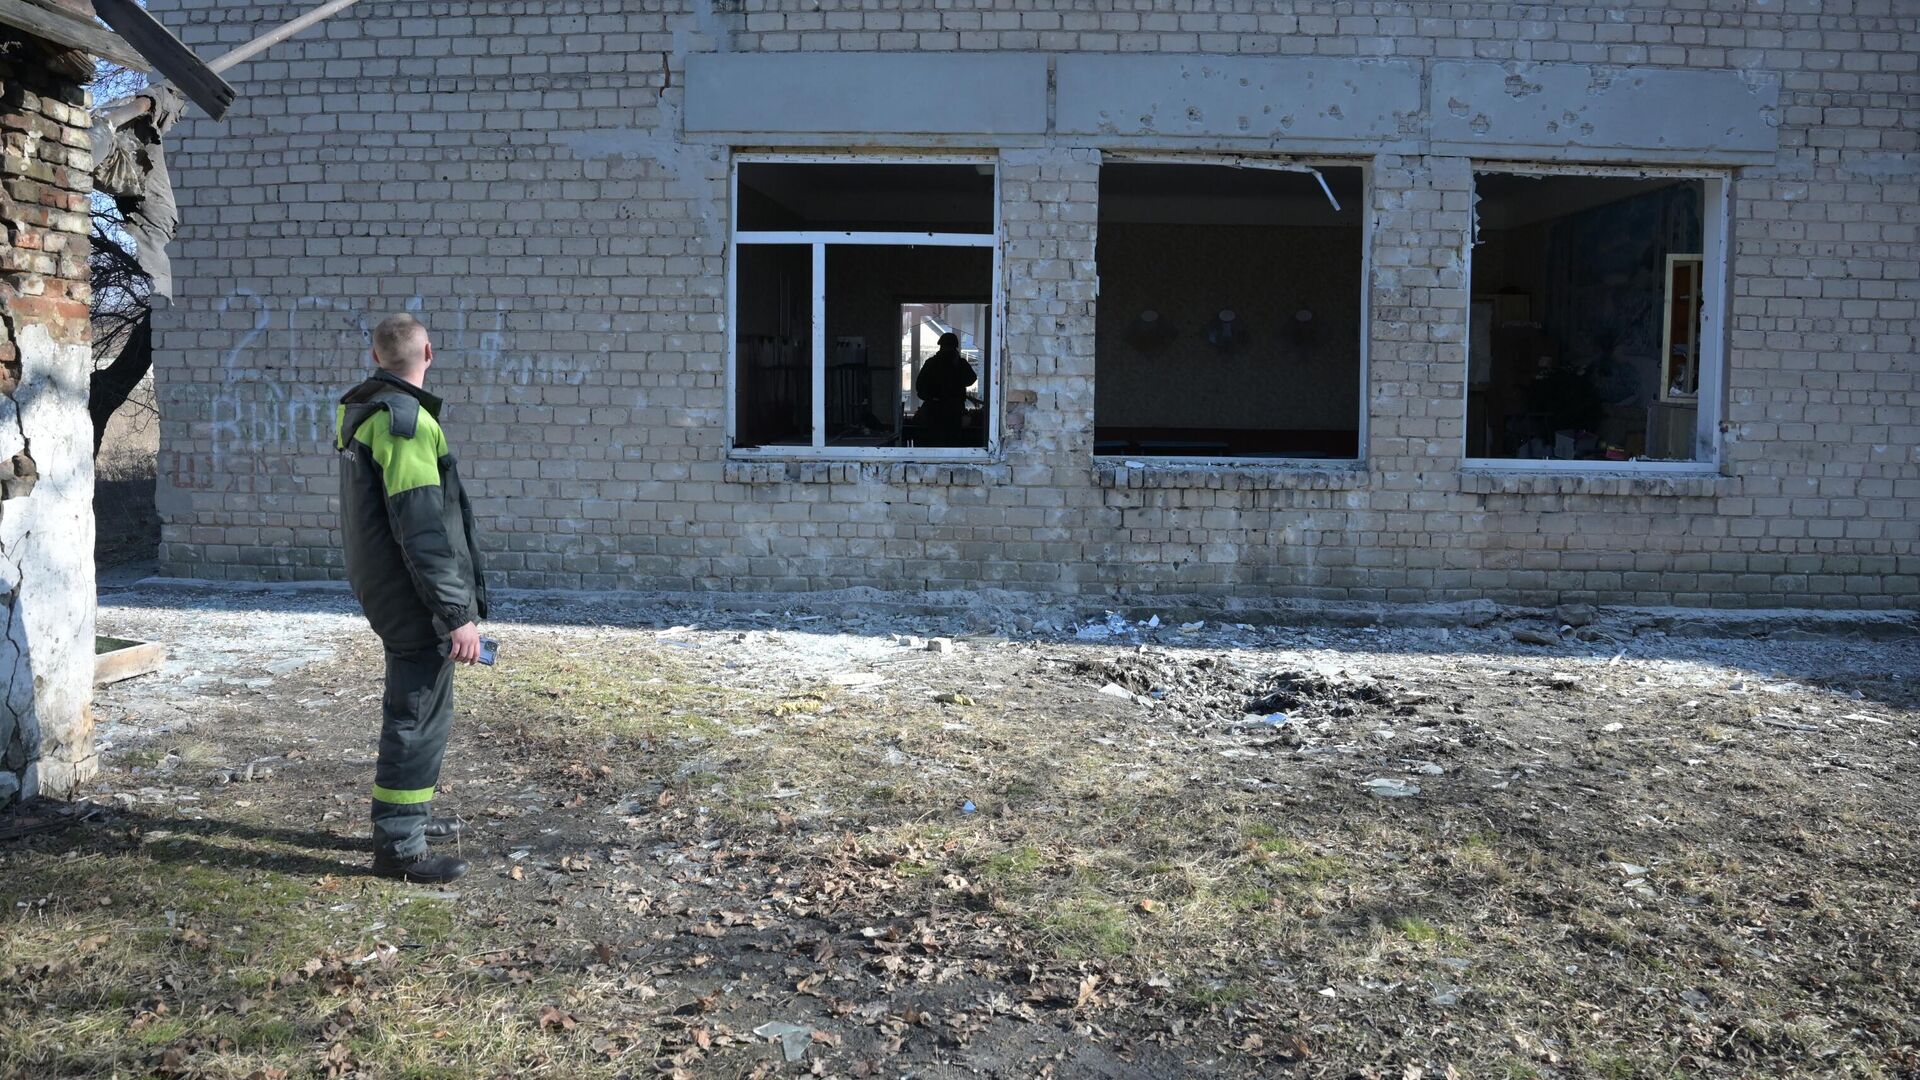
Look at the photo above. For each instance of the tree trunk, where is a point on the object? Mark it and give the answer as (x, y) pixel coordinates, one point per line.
(109, 387)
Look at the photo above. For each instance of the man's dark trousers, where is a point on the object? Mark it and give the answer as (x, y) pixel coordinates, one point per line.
(415, 716)
(411, 558)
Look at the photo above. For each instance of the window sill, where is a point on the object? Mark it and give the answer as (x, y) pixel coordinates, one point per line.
(948, 474)
(1291, 476)
(1701, 483)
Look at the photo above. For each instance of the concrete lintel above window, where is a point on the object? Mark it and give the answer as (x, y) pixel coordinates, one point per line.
(861, 94)
(1312, 103)
(1578, 112)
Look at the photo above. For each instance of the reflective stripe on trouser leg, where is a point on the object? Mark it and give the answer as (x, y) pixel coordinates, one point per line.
(416, 715)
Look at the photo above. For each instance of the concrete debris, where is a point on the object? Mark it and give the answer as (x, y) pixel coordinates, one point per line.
(1387, 787)
(1575, 615)
(940, 645)
(248, 774)
(794, 1038)
(1115, 625)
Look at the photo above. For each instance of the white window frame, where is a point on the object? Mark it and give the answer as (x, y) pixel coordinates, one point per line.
(1715, 228)
(819, 241)
(1367, 223)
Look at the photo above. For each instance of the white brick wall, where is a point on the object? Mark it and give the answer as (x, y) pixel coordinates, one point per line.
(512, 172)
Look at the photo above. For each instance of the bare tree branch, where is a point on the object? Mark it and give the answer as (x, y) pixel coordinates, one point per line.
(122, 293)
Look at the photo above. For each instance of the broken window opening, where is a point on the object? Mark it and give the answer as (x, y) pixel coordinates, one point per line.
(773, 345)
(1230, 315)
(1589, 336)
(841, 256)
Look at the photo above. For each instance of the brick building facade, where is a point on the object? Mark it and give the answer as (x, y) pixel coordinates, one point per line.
(1634, 294)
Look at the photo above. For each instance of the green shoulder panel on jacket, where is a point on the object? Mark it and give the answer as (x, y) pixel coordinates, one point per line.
(404, 463)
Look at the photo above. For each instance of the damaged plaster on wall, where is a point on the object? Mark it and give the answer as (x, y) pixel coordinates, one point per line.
(691, 171)
(46, 571)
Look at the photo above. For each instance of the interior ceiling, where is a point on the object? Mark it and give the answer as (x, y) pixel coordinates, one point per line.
(1173, 194)
(834, 196)
(1513, 200)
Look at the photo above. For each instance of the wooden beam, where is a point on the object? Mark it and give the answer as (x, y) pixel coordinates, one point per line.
(177, 62)
(64, 28)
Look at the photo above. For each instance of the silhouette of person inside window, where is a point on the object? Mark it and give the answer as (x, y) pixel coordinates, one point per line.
(942, 387)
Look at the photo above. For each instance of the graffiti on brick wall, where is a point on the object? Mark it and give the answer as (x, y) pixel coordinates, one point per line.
(273, 399)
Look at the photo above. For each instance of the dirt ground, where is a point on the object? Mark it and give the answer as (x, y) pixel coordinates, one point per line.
(799, 841)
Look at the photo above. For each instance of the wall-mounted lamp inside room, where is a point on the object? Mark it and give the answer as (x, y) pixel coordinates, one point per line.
(1300, 327)
(1227, 332)
(1150, 331)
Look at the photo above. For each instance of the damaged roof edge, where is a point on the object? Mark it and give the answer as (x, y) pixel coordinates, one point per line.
(63, 27)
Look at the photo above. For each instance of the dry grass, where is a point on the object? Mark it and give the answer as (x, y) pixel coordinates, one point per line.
(152, 951)
(1122, 847)
(1488, 926)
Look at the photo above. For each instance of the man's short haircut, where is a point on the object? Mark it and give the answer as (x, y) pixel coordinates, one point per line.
(397, 342)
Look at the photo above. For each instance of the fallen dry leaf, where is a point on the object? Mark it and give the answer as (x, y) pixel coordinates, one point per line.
(1087, 987)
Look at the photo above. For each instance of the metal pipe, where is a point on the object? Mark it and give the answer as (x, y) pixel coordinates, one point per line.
(277, 35)
(1325, 188)
(125, 112)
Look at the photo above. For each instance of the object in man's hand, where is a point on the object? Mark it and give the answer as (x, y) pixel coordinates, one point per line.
(489, 648)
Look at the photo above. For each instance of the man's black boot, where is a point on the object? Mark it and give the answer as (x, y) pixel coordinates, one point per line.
(442, 829)
(421, 869)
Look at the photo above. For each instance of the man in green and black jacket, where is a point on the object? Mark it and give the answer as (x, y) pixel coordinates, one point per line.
(411, 559)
